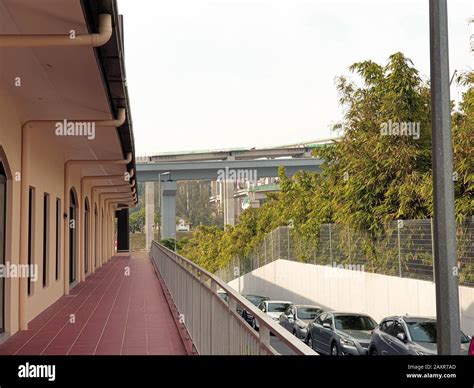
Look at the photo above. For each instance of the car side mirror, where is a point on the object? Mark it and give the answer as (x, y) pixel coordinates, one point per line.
(401, 337)
(327, 325)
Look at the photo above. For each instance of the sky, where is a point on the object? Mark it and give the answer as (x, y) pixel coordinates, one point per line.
(219, 74)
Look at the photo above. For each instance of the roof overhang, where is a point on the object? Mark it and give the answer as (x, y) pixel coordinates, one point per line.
(72, 83)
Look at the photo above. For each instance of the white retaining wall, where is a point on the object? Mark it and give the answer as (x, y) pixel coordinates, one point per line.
(351, 291)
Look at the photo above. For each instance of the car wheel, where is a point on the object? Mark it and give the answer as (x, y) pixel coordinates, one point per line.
(295, 333)
(334, 349)
(373, 352)
(254, 324)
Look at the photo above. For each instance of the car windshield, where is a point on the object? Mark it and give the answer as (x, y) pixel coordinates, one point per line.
(425, 331)
(277, 307)
(354, 322)
(255, 299)
(308, 312)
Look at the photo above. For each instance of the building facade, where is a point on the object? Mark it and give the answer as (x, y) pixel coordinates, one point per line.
(66, 149)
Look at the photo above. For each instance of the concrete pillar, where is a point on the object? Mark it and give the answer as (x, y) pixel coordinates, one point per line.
(228, 202)
(123, 240)
(149, 213)
(168, 209)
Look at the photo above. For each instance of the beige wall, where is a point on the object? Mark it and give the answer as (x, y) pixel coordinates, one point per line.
(10, 144)
(351, 291)
(46, 176)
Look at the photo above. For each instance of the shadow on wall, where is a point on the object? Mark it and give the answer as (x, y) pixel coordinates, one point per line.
(257, 285)
(376, 295)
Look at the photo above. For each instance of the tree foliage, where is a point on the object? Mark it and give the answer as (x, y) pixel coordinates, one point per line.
(368, 179)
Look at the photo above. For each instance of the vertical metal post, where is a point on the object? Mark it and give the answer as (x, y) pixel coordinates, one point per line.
(288, 241)
(265, 250)
(446, 270)
(240, 276)
(271, 239)
(330, 245)
(399, 248)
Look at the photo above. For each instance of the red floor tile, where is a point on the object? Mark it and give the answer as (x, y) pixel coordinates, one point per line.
(114, 314)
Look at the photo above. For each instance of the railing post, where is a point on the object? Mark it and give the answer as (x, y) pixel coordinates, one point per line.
(232, 307)
(263, 338)
(201, 308)
(211, 316)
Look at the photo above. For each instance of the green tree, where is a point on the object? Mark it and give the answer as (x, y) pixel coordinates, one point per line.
(368, 179)
(137, 220)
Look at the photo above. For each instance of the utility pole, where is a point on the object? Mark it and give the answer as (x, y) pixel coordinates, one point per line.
(446, 269)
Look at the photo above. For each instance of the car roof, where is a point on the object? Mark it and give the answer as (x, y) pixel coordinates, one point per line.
(337, 313)
(308, 306)
(411, 318)
(278, 301)
(418, 319)
(258, 296)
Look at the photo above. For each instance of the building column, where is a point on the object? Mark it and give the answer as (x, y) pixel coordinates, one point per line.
(168, 209)
(149, 213)
(123, 237)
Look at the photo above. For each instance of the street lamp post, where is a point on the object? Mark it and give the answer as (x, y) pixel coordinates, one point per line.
(446, 269)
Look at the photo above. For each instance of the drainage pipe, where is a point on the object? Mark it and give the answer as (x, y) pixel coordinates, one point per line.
(70, 39)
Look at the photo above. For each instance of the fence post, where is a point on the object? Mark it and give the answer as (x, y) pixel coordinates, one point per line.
(278, 244)
(288, 245)
(399, 226)
(330, 244)
(265, 250)
(240, 275)
(271, 235)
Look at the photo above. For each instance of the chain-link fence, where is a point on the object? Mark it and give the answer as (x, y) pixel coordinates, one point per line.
(405, 249)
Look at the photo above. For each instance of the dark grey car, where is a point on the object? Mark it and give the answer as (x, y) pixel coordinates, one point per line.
(296, 318)
(338, 333)
(255, 300)
(407, 335)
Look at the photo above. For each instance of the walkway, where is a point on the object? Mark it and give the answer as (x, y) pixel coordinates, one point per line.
(109, 314)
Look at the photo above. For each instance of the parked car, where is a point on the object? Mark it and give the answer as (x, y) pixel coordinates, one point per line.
(339, 333)
(408, 335)
(255, 300)
(297, 317)
(273, 308)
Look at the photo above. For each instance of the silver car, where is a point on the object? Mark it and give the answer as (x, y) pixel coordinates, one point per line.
(338, 333)
(408, 335)
(296, 318)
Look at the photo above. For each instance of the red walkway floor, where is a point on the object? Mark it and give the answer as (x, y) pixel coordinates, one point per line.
(114, 314)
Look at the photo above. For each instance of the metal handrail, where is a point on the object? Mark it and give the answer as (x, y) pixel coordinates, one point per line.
(213, 324)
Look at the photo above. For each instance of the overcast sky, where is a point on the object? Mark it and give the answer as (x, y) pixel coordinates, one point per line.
(210, 74)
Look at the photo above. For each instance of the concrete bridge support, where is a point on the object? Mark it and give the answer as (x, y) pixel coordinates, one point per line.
(149, 213)
(168, 209)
